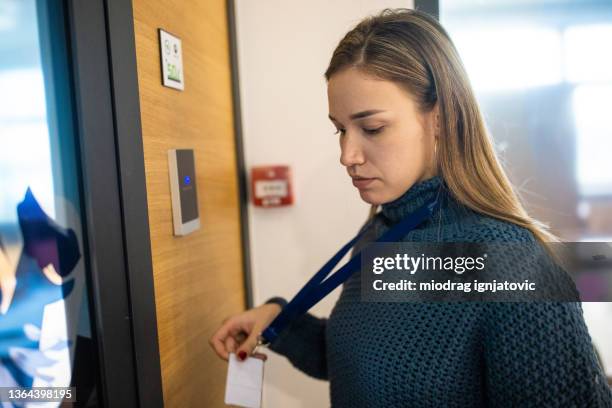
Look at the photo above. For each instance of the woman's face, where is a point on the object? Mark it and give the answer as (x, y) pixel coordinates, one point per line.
(386, 143)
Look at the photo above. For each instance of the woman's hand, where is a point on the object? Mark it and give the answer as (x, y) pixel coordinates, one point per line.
(238, 333)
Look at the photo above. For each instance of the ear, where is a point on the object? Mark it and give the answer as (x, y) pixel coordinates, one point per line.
(433, 121)
(436, 118)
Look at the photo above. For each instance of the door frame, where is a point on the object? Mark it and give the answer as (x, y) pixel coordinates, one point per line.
(114, 201)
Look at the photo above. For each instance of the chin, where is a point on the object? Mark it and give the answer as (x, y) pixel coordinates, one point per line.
(371, 197)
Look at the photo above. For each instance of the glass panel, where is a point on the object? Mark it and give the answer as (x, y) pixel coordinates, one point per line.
(586, 60)
(500, 69)
(591, 105)
(45, 335)
(543, 77)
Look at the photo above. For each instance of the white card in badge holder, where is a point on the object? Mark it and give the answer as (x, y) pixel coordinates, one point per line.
(244, 382)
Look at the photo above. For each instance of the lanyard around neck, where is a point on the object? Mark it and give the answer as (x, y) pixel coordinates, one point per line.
(317, 288)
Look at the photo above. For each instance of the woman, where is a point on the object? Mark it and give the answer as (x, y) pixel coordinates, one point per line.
(409, 128)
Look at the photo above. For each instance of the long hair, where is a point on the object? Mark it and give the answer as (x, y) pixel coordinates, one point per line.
(413, 50)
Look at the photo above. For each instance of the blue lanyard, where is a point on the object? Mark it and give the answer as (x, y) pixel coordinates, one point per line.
(317, 288)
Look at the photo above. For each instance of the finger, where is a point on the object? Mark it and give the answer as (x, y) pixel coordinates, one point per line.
(217, 341)
(219, 348)
(230, 344)
(247, 347)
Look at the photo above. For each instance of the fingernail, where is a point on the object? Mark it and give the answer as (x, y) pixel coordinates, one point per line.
(242, 355)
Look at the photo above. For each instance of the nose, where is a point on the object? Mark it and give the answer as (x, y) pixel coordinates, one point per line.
(351, 151)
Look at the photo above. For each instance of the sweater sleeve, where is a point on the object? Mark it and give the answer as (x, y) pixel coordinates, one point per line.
(303, 343)
(541, 355)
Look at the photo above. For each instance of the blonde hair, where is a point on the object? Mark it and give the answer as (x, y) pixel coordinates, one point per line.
(413, 50)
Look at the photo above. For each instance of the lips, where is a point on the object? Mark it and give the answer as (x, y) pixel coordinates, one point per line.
(362, 182)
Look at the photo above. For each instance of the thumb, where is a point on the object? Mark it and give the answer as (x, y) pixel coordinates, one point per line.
(246, 348)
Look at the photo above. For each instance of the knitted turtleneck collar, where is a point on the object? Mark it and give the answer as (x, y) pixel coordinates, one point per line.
(412, 199)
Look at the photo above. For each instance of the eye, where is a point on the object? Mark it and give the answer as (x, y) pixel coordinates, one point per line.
(373, 131)
(340, 132)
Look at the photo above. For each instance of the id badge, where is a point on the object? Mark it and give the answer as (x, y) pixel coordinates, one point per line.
(244, 382)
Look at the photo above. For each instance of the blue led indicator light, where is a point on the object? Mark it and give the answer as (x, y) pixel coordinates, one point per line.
(187, 180)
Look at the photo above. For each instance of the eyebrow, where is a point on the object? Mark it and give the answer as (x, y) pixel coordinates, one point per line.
(360, 115)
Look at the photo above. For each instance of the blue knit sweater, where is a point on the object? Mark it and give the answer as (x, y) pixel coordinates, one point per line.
(447, 354)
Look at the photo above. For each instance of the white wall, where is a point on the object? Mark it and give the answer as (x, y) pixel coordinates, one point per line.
(284, 47)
